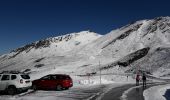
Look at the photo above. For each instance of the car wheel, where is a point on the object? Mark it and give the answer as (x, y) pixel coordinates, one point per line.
(26, 90)
(34, 87)
(11, 90)
(66, 88)
(59, 87)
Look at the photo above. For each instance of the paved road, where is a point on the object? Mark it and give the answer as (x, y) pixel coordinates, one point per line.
(136, 93)
(116, 93)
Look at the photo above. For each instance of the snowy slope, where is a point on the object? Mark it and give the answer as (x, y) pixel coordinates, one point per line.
(143, 43)
(45, 55)
(151, 36)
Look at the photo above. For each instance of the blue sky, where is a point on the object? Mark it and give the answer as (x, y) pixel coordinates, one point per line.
(26, 21)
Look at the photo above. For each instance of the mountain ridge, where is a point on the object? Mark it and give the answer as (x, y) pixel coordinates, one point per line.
(80, 53)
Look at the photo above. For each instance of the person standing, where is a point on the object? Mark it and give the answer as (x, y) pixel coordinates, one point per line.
(144, 80)
(137, 79)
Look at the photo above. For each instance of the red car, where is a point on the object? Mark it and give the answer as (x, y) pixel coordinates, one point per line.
(53, 81)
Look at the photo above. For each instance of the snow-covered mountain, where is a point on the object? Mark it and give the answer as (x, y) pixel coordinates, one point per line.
(143, 45)
(49, 53)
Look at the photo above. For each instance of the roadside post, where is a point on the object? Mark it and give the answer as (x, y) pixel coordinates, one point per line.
(100, 73)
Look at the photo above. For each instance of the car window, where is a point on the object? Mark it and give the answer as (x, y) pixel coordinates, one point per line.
(13, 77)
(66, 77)
(58, 77)
(25, 76)
(63, 77)
(46, 78)
(53, 77)
(5, 77)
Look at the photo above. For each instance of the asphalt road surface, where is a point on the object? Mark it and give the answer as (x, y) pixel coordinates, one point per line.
(136, 93)
(87, 93)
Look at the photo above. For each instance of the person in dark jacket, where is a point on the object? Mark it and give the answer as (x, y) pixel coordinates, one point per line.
(144, 80)
(137, 79)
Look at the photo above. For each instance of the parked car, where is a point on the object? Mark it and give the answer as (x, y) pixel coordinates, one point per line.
(13, 82)
(53, 81)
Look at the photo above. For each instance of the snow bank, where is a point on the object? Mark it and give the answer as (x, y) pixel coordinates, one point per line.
(105, 79)
(156, 92)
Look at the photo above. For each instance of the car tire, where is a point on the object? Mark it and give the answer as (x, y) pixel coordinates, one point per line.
(26, 90)
(59, 88)
(34, 87)
(11, 90)
(66, 88)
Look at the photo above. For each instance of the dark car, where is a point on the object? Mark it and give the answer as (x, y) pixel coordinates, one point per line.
(53, 81)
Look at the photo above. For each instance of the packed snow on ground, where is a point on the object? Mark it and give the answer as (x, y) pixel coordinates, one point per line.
(156, 92)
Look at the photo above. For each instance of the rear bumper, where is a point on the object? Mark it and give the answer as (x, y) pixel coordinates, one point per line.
(24, 88)
(24, 85)
(68, 85)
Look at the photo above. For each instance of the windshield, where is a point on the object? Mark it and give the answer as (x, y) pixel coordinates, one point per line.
(25, 76)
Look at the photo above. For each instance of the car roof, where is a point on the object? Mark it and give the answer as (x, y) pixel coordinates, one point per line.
(12, 72)
(57, 75)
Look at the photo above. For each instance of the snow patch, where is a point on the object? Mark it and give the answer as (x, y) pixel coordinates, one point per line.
(156, 92)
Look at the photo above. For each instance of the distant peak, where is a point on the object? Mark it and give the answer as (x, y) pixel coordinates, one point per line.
(77, 33)
(162, 18)
(44, 43)
(154, 20)
(86, 32)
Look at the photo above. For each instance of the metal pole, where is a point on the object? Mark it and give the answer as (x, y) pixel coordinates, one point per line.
(100, 73)
(89, 79)
(112, 53)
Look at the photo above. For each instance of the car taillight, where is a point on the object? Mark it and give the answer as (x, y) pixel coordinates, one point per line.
(67, 81)
(21, 81)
